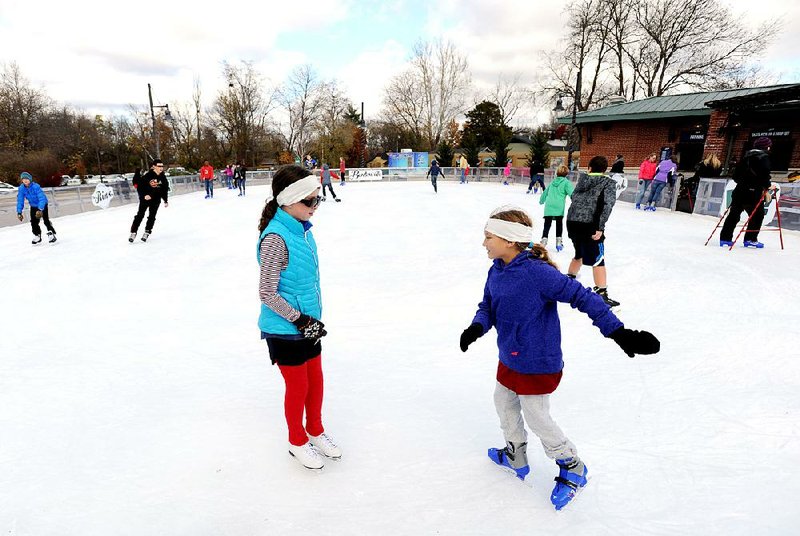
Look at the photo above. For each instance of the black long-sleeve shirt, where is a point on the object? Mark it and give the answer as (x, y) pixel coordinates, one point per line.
(153, 184)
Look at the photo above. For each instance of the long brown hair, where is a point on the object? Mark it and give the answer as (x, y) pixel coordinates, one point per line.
(538, 251)
(285, 176)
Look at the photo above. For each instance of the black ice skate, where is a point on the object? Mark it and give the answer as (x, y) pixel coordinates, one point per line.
(603, 293)
(145, 236)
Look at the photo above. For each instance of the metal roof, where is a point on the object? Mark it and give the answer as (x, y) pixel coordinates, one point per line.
(688, 104)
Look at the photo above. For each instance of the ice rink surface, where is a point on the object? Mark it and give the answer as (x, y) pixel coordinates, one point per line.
(136, 397)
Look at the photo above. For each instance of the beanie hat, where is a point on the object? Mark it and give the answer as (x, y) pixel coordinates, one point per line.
(762, 143)
(25, 175)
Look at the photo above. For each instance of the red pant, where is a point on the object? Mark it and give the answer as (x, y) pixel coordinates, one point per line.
(303, 392)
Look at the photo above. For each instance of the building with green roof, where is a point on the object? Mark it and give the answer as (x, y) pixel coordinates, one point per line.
(692, 125)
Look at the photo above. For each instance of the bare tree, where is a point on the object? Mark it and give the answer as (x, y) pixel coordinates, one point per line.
(240, 109)
(695, 43)
(619, 38)
(333, 125)
(20, 107)
(431, 92)
(403, 103)
(509, 96)
(302, 99)
(579, 72)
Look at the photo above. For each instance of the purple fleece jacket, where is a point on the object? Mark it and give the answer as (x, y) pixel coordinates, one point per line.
(520, 301)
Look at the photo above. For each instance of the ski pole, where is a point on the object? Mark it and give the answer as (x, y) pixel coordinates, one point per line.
(758, 205)
(717, 227)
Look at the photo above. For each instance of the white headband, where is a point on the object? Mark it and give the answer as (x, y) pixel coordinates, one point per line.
(298, 190)
(511, 231)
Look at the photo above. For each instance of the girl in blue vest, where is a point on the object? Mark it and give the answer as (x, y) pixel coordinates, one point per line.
(520, 301)
(291, 308)
(38, 201)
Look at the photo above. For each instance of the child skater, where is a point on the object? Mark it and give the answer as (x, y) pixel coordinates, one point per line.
(291, 308)
(554, 198)
(519, 301)
(39, 207)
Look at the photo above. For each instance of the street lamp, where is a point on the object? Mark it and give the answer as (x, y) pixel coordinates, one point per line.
(167, 115)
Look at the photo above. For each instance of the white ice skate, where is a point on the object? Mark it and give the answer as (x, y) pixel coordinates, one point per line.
(326, 446)
(307, 455)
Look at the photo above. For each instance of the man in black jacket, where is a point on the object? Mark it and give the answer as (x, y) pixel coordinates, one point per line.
(537, 176)
(752, 176)
(152, 188)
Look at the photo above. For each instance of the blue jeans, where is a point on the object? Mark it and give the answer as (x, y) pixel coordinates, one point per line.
(641, 189)
(210, 188)
(655, 192)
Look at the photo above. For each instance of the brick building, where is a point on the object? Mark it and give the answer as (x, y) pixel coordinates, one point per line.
(692, 125)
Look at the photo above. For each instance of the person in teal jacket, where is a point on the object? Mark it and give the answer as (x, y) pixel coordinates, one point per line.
(554, 198)
(291, 309)
(38, 202)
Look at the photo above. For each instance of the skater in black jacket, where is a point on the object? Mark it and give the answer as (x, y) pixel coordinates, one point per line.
(152, 188)
(753, 180)
(434, 173)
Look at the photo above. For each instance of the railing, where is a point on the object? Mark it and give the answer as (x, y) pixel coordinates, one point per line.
(710, 193)
(66, 200)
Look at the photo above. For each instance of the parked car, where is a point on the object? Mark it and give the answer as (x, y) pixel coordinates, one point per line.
(6, 188)
(65, 179)
(74, 181)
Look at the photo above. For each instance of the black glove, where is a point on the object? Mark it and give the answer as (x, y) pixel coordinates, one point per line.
(310, 328)
(635, 342)
(19, 216)
(470, 335)
(38, 213)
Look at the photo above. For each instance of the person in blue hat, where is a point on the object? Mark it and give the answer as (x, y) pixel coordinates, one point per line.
(38, 202)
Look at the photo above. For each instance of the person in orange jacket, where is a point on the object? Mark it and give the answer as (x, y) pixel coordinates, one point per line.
(207, 174)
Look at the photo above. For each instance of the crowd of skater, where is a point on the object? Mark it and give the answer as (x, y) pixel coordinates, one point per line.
(520, 296)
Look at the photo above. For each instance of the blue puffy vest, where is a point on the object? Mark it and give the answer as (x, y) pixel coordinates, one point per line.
(299, 283)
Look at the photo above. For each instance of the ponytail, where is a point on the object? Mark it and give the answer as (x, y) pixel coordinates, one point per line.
(270, 209)
(539, 252)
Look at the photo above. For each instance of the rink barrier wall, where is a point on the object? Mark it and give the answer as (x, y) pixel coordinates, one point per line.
(68, 200)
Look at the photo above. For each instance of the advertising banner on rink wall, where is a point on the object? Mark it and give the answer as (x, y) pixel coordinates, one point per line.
(364, 175)
(102, 196)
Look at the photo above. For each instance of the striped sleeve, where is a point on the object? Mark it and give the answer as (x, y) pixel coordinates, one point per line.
(274, 259)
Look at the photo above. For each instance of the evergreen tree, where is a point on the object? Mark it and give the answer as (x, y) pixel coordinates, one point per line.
(504, 136)
(472, 149)
(445, 154)
(539, 150)
(485, 122)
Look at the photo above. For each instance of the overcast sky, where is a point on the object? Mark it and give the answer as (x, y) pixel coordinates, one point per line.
(99, 56)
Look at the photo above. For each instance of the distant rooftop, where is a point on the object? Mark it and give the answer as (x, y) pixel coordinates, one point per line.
(687, 104)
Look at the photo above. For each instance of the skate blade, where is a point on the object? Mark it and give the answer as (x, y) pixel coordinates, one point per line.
(528, 482)
(577, 493)
(307, 468)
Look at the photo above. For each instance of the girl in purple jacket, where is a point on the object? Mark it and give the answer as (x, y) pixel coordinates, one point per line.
(520, 301)
(664, 172)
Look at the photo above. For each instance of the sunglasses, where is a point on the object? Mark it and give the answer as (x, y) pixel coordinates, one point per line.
(313, 202)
